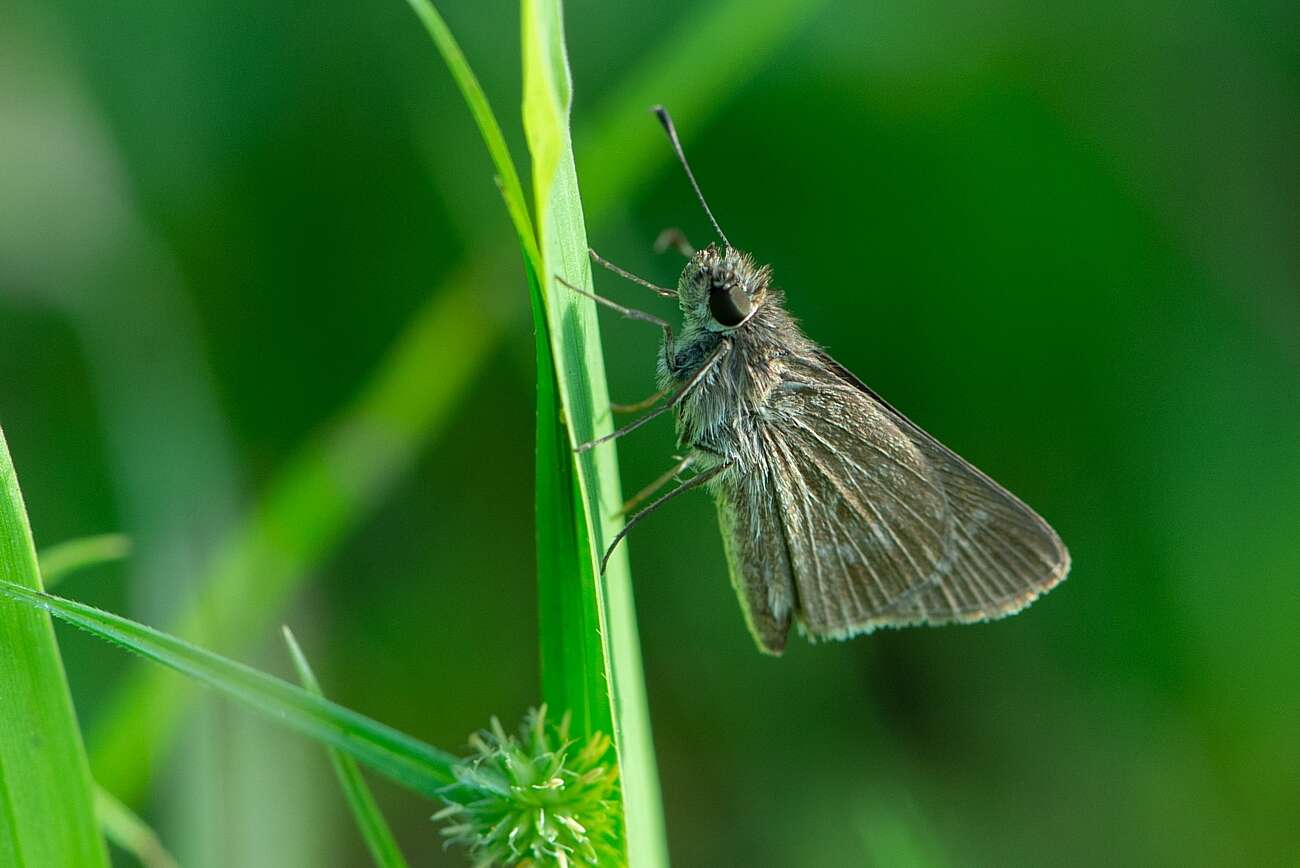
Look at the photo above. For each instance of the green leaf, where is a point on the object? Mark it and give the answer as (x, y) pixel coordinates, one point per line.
(118, 822)
(893, 832)
(408, 761)
(129, 832)
(508, 177)
(47, 814)
(61, 559)
(591, 656)
(575, 667)
(374, 828)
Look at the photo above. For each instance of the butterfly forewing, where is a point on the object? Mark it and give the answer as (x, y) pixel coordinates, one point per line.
(874, 522)
(1004, 551)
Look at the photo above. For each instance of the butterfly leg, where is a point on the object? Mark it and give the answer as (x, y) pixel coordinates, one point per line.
(724, 346)
(676, 239)
(627, 275)
(693, 482)
(630, 313)
(659, 483)
(644, 404)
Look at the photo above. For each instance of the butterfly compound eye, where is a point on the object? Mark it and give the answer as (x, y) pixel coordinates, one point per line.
(729, 305)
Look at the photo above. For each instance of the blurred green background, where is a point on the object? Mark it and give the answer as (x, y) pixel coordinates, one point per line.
(1061, 237)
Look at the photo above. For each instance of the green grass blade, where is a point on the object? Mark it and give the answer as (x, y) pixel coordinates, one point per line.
(365, 810)
(61, 559)
(569, 628)
(611, 685)
(558, 519)
(894, 833)
(47, 814)
(406, 760)
(335, 479)
(575, 670)
(508, 177)
(120, 825)
(556, 489)
(130, 833)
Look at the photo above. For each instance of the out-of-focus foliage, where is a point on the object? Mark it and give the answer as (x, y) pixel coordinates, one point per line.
(1060, 237)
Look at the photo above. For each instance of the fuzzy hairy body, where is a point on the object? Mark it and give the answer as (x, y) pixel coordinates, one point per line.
(838, 513)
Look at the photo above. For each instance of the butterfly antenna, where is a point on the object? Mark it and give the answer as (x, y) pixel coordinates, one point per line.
(662, 114)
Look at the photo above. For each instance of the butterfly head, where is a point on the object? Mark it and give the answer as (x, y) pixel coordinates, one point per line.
(722, 288)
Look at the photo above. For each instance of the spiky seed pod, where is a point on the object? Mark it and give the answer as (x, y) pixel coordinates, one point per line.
(539, 799)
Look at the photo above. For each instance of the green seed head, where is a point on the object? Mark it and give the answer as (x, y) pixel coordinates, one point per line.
(541, 798)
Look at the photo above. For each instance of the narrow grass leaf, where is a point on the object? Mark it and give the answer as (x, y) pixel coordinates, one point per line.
(365, 810)
(61, 559)
(557, 490)
(47, 814)
(894, 834)
(575, 669)
(595, 613)
(130, 833)
(408, 761)
(120, 825)
(508, 177)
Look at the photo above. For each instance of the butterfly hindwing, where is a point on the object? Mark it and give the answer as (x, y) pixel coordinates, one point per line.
(758, 560)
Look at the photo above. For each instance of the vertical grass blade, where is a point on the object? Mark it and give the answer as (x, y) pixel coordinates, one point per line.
(130, 833)
(507, 176)
(47, 814)
(591, 653)
(571, 615)
(120, 825)
(374, 828)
